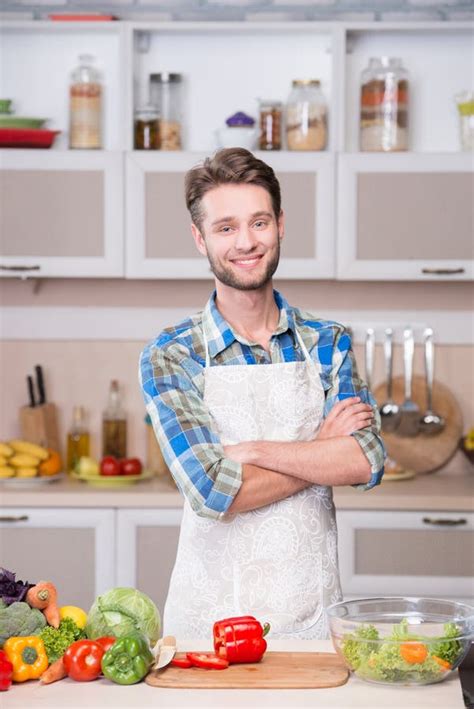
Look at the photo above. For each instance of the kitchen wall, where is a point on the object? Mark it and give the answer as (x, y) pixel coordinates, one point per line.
(79, 371)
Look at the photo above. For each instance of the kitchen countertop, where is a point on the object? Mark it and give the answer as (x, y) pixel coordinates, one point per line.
(451, 488)
(355, 693)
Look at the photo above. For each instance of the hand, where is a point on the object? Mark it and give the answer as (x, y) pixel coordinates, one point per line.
(239, 452)
(346, 417)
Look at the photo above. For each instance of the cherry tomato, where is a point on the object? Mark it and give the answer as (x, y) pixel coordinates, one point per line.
(109, 466)
(130, 466)
(413, 653)
(207, 660)
(82, 660)
(105, 642)
(181, 661)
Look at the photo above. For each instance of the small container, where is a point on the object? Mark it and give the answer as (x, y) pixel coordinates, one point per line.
(166, 97)
(114, 425)
(239, 132)
(78, 438)
(85, 106)
(306, 116)
(465, 104)
(146, 129)
(384, 106)
(270, 124)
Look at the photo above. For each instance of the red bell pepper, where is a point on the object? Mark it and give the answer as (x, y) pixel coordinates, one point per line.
(240, 639)
(6, 672)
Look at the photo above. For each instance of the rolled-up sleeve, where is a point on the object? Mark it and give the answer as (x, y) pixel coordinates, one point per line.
(185, 430)
(345, 382)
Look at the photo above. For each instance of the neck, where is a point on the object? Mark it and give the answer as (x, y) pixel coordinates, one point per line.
(252, 314)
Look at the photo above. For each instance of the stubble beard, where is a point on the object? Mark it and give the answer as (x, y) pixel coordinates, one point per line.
(228, 278)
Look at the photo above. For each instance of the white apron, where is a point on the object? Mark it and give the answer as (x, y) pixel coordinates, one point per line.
(277, 562)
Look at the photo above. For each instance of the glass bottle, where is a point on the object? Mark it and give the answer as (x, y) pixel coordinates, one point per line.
(165, 96)
(270, 125)
(85, 106)
(384, 106)
(465, 104)
(114, 425)
(306, 116)
(147, 128)
(78, 438)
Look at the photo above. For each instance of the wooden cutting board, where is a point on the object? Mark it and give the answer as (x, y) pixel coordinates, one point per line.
(420, 453)
(277, 670)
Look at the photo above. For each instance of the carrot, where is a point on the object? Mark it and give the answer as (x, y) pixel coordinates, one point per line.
(44, 597)
(413, 653)
(54, 672)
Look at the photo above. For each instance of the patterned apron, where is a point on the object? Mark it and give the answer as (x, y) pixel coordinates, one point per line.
(278, 562)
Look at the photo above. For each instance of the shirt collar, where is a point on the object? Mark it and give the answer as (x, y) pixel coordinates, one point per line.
(220, 335)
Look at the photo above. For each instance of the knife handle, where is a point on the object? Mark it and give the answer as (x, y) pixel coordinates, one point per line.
(31, 392)
(40, 384)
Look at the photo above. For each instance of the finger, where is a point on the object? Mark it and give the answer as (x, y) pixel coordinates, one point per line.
(355, 410)
(342, 405)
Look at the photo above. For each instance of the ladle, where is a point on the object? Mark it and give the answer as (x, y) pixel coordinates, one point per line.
(389, 411)
(430, 423)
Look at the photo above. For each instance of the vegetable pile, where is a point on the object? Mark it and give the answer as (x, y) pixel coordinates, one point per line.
(403, 656)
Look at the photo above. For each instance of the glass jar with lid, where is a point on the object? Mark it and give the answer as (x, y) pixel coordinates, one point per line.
(306, 116)
(166, 96)
(384, 106)
(270, 125)
(146, 128)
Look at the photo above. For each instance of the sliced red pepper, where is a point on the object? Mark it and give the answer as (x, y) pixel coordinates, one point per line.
(207, 660)
(240, 639)
(181, 661)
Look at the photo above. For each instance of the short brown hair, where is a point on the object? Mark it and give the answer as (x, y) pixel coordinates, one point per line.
(228, 166)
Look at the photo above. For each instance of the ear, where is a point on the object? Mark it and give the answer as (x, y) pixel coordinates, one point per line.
(199, 240)
(281, 225)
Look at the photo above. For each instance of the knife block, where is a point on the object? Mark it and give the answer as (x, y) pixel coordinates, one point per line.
(39, 424)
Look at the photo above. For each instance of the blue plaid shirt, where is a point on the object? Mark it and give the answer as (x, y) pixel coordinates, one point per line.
(172, 382)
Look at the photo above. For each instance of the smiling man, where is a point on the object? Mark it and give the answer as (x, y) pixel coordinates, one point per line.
(259, 412)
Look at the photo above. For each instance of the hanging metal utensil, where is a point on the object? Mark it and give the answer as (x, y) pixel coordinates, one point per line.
(430, 423)
(369, 356)
(409, 411)
(389, 411)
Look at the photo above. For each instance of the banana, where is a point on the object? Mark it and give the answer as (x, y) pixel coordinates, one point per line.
(3, 460)
(26, 472)
(6, 471)
(29, 448)
(5, 450)
(22, 460)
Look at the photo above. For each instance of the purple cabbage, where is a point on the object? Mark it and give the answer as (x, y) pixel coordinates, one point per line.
(11, 590)
(240, 119)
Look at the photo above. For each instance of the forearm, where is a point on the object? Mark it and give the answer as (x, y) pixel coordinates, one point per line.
(261, 487)
(333, 461)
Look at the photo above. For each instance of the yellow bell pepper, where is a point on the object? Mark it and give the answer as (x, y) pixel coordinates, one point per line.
(28, 657)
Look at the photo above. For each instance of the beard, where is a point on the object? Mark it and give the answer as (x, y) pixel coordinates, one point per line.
(229, 278)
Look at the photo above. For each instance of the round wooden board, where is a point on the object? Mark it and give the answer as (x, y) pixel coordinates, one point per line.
(420, 453)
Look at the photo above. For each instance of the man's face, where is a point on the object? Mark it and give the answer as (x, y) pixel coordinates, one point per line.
(240, 235)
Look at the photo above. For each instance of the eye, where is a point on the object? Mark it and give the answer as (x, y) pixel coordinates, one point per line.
(260, 224)
(225, 229)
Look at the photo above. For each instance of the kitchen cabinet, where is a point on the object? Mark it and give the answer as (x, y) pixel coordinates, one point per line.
(411, 553)
(407, 218)
(159, 241)
(61, 216)
(147, 542)
(75, 548)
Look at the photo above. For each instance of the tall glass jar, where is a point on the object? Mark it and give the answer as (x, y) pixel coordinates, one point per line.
(306, 116)
(270, 125)
(166, 96)
(465, 104)
(85, 105)
(146, 128)
(384, 106)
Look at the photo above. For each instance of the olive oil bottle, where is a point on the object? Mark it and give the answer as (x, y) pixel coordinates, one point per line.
(78, 438)
(114, 425)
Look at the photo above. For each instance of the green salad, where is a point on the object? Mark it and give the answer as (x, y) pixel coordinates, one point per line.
(403, 656)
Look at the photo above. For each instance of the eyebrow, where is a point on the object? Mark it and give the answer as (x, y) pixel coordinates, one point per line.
(253, 216)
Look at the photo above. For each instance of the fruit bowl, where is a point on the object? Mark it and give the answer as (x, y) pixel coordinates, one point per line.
(401, 641)
(108, 481)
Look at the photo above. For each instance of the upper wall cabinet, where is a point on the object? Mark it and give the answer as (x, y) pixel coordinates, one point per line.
(407, 218)
(61, 216)
(159, 241)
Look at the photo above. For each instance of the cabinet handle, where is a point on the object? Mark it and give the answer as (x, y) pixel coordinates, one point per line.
(440, 522)
(10, 518)
(443, 271)
(19, 268)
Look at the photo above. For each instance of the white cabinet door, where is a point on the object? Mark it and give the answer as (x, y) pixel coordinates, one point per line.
(147, 541)
(158, 234)
(62, 213)
(405, 217)
(73, 548)
(406, 553)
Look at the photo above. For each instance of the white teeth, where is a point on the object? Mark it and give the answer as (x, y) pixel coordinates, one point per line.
(248, 260)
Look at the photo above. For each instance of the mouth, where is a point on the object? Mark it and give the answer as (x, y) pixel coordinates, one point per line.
(247, 263)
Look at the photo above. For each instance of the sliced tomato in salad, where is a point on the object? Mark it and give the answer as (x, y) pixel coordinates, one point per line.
(207, 660)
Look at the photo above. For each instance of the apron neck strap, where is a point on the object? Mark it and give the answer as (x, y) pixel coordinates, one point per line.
(303, 346)
(206, 349)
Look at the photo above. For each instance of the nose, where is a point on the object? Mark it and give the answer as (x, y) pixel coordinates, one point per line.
(245, 240)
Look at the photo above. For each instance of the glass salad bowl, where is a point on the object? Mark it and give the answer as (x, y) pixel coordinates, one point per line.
(402, 641)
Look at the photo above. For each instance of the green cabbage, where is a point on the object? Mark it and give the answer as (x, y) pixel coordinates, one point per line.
(122, 611)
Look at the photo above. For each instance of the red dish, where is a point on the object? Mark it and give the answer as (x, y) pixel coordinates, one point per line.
(81, 18)
(27, 137)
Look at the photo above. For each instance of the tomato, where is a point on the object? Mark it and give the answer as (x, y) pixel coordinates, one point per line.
(207, 660)
(130, 466)
(413, 652)
(109, 466)
(181, 661)
(105, 642)
(82, 660)
(444, 664)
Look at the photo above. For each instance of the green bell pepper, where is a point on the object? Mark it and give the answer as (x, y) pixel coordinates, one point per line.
(128, 660)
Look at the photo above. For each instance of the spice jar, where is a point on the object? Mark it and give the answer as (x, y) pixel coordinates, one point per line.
(85, 106)
(384, 106)
(306, 116)
(270, 125)
(146, 129)
(465, 104)
(165, 96)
